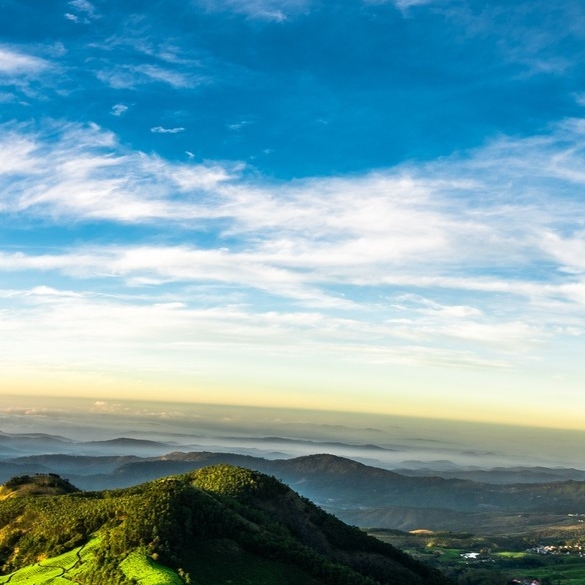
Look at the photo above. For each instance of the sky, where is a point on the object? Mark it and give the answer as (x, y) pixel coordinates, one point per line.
(361, 206)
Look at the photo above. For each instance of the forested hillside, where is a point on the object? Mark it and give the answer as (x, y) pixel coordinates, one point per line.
(215, 525)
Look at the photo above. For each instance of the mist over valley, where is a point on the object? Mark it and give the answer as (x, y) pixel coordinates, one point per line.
(381, 471)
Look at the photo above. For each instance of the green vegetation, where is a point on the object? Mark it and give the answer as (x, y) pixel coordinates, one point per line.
(216, 525)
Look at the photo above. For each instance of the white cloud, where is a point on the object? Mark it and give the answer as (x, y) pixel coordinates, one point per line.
(82, 12)
(130, 333)
(16, 153)
(357, 229)
(48, 291)
(569, 252)
(162, 130)
(17, 63)
(119, 110)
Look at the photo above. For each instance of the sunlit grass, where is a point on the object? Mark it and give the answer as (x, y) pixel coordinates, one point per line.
(141, 567)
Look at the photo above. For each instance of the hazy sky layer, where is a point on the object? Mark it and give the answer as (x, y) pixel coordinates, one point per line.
(366, 205)
(388, 441)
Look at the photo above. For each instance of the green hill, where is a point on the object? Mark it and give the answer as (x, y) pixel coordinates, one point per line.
(220, 524)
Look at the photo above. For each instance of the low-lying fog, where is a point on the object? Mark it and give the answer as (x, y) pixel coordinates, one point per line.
(385, 441)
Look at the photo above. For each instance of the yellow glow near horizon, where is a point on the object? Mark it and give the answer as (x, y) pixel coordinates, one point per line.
(401, 399)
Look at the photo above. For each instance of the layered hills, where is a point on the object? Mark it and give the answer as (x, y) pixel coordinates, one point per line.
(359, 494)
(218, 524)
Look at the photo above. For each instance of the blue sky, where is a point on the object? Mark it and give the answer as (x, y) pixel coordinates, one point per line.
(358, 205)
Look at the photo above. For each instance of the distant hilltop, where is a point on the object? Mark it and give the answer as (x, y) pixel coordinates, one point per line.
(41, 484)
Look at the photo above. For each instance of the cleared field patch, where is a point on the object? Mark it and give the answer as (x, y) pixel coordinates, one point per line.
(141, 567)
(510, 555)
(450, 554)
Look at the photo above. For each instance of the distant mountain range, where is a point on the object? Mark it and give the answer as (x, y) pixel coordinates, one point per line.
(449, 498)
(23, 444)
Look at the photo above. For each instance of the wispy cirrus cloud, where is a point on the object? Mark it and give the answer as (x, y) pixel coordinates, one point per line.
(458, 208)
(530, 35)
(173, 78)
(131, 76)
(271, 10)
(86, 173)
(137, 56)
(470, 259)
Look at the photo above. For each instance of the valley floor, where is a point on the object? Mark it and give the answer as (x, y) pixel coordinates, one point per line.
(555, 559)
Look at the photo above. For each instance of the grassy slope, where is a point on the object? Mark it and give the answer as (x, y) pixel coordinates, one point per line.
(71, 566)
(56, 570)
